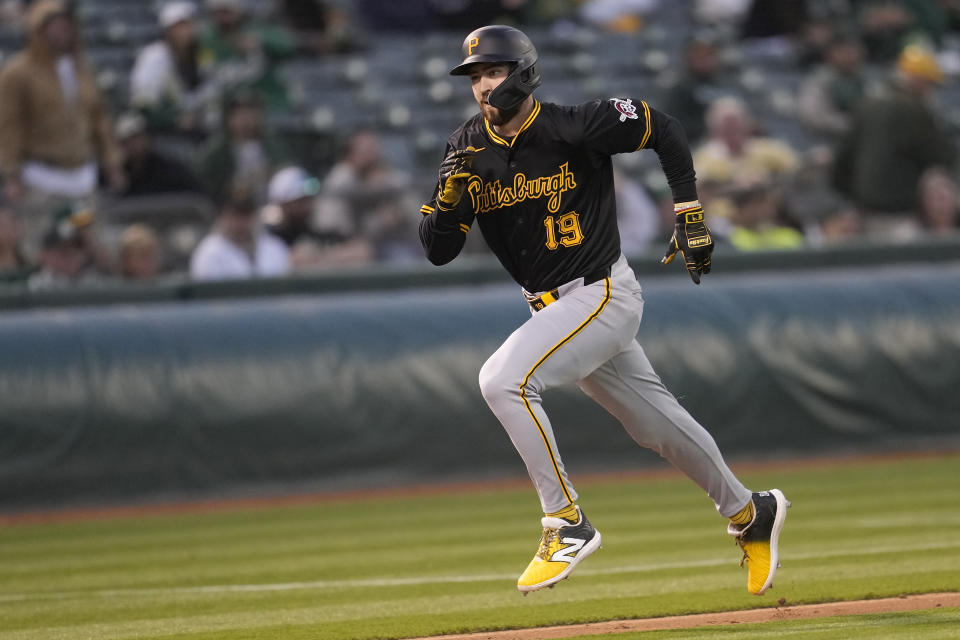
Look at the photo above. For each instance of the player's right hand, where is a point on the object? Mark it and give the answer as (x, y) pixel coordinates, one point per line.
(691, 238)
(455, 170)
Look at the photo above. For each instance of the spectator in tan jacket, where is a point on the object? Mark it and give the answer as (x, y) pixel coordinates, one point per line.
(55, 132)
(734, 152)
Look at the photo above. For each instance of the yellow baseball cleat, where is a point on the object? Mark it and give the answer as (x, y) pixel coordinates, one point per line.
(562, 546)
(760, 540)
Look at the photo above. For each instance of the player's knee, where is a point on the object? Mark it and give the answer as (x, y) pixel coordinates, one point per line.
(488, 382)
(495, 382)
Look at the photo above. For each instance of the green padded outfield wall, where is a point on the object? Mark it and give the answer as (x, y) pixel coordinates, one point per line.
(345, 390)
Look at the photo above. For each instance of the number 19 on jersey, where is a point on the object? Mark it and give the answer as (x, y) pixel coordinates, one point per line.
(564, 230)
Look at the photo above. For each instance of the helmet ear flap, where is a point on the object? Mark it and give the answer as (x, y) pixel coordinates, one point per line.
(519, 84)
(527, 75)
(509, 94)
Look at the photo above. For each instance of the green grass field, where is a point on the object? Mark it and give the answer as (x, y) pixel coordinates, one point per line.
(430, 564)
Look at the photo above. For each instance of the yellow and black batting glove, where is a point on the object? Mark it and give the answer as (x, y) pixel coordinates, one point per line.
(455, 170)
(691, 238)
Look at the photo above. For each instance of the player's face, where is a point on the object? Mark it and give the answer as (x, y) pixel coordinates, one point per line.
(487, 76)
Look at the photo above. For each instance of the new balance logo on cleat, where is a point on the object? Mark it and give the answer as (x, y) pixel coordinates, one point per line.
(563, 545)
(760, 540)
(568, 554)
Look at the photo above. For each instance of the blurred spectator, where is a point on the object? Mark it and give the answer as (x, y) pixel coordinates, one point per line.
(619, 16)
(842, 225)
(320, 26)
(894, 139)
(245, 53)
(148, 171)
(13, 266)
(939, 202)
(241, 155)
(889, 25)
(363, 197)
(239, 247)
(52, 150)
(885, 25)
(733, 151)
(813, 41)
(638, 214)
(64, 260)
(933, 20)
(292, 198)
(81, 219)
(734, 156)
(757, 222)
(830, 95)
(720, 11)
(687, 98)
(289, 216)
(141, 257)
(767, 19)
(952, 10)
(168, 82)
(12, 14)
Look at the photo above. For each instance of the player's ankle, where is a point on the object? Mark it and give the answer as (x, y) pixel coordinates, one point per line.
(569, 513)
(744, 516)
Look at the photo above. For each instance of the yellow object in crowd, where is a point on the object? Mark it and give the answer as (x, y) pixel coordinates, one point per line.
(767, 238)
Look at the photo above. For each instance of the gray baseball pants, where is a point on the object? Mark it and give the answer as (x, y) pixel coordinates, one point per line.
(587, 336)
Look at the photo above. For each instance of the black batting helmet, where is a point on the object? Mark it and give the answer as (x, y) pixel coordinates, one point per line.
(499, 43)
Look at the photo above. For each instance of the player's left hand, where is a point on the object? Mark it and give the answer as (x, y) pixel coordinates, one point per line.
(691, 238)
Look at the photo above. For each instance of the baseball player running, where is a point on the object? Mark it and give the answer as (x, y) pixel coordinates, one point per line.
(537, 179)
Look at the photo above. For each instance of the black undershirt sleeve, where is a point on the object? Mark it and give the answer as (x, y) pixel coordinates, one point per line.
(442, 234)
(670, 142)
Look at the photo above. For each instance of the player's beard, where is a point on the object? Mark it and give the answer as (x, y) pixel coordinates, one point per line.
(500, 117)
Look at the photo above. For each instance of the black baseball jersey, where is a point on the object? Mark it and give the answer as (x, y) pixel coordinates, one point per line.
(544, 199)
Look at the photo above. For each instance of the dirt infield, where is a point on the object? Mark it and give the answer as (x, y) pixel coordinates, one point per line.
(773, 614)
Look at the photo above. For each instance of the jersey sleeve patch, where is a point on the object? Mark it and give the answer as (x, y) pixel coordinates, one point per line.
(616, 125)
(626, 108)
(628, 111)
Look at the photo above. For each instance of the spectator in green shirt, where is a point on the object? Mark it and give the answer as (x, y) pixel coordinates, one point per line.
(242, 155)
(757, 221)
(895, 137)
(244, 52)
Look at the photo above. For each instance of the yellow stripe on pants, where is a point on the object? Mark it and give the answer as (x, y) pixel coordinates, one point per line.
(523, 386)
